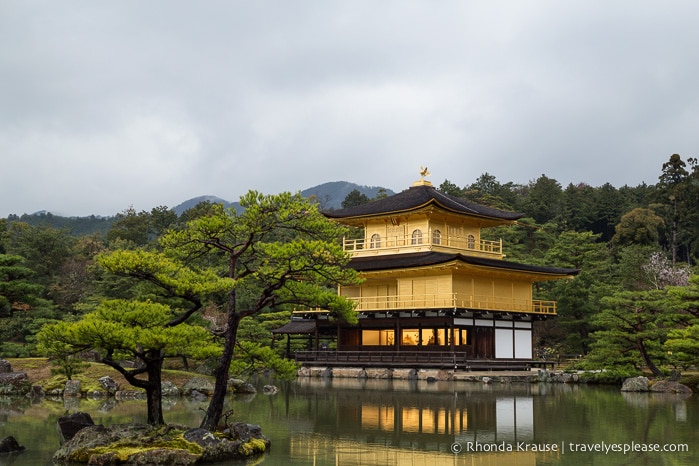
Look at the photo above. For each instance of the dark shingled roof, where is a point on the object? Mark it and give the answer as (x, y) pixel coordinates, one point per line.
(421, 196)
(419, 259)
(297, 326)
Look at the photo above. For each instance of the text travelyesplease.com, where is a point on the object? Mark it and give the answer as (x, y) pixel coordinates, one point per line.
(565, 447)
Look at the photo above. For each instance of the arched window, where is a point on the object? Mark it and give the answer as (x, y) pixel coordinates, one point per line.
(471, 242)
(417, 237)
(436, 237)
(375, 241)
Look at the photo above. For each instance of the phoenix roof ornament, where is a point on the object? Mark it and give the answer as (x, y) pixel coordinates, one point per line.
(422, 181)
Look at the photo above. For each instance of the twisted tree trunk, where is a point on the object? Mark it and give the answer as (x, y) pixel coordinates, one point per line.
(215, 409)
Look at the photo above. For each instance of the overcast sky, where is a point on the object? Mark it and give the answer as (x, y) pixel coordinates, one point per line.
(110, 104)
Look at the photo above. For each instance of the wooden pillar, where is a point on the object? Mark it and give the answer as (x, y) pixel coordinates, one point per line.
(419, 336)
(396, 329)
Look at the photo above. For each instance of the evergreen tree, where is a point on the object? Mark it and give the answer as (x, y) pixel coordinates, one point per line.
(130, 228)
(635, 325)
(578, 299)
(640, 227)
(23, 310)
(279, 251)
(678, 194)
(543, 200)
(44, 249)
(447, 187)
(141, 332)
(631, 332)
(16, 289)
(354, 198)
(609, 206)
(579, 207)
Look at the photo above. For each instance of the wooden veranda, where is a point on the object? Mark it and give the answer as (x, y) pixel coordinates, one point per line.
(414, 359)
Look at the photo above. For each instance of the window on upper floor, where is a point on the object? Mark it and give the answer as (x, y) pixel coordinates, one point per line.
(471, 242)
(436, 237)
(417, 237)
(375, 241)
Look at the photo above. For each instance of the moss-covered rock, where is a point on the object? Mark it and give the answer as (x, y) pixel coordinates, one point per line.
(143, 444)
(14, 384)
(669, 386)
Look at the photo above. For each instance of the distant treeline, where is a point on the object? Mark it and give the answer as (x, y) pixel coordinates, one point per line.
(78, 226)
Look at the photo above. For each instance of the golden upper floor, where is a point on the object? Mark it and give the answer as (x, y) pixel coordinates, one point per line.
(421, 219)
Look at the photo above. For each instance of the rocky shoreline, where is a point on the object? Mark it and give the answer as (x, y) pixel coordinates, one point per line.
(18, 384)
(87, 443)
(84, 442)
(432, 375)
(487, 377)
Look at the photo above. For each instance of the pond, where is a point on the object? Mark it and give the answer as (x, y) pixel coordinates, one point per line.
(384, 422)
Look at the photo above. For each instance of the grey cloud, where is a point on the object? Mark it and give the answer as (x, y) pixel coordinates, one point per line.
(111, 104)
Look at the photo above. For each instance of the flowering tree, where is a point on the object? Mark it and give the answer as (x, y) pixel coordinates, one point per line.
(662, 273)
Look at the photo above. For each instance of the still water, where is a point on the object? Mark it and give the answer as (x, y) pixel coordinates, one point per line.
(379, 422)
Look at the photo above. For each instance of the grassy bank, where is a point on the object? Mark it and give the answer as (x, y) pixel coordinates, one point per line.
(39, 372)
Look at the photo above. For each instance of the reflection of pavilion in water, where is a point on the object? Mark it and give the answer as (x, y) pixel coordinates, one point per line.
(324, 451)
(408, 418)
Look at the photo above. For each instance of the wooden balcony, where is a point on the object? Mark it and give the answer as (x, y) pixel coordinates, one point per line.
(453, 301)
(424, 242)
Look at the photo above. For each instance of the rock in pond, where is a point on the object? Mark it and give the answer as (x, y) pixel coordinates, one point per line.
(5, 366)
(240, 386)
(198, 384)
(68, 426)
(109, 384)
(669, 386)
(133, 444)
(72, 389)
(635, 384)
(270, 389)
(169, 389)
(10, 445)
(14, 383)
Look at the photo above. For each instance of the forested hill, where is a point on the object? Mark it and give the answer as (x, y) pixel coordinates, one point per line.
(78, 226)
(329, 196)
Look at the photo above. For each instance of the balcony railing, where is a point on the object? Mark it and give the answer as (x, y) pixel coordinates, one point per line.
(453, 301)
(426, 241)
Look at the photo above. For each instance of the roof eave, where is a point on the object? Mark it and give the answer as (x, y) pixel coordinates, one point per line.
(545, 273)
(393, 213)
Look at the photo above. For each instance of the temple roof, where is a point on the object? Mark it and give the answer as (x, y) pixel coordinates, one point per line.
(297, 326)
(417, 197)
(422, 259)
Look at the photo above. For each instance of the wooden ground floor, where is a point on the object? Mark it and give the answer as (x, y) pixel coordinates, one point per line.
(468, 341)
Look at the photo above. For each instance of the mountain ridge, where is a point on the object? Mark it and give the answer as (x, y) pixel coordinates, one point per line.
(329, 195)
